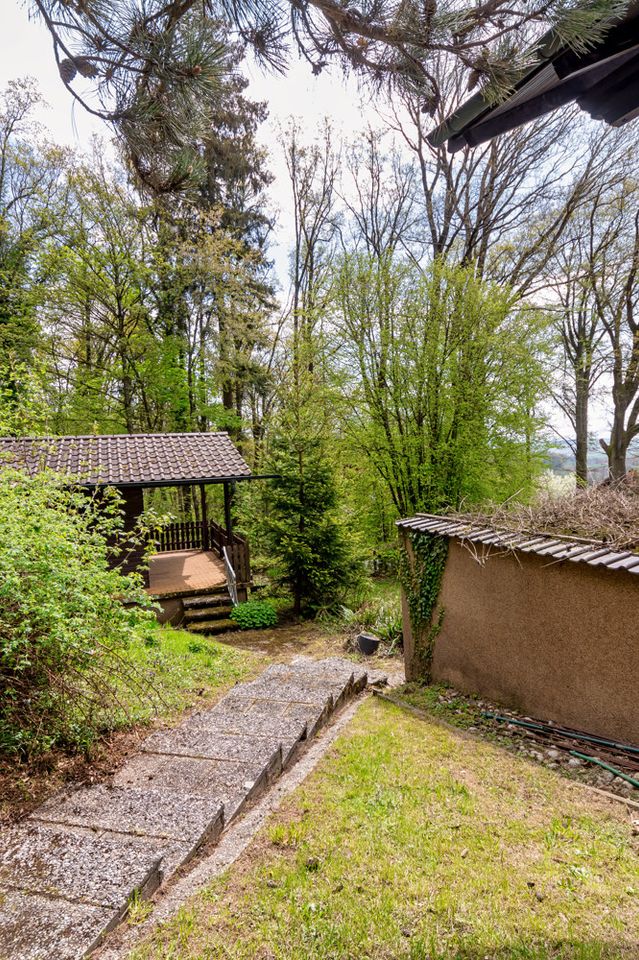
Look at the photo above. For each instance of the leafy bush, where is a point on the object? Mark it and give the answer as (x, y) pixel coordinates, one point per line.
(388, 623)
(67, 620)
(254, 615)
(381, 615)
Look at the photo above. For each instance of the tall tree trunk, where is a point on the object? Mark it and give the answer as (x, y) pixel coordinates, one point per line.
(582, 390)
(616, 450)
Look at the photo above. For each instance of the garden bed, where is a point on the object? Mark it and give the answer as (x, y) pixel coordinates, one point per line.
(470, 713)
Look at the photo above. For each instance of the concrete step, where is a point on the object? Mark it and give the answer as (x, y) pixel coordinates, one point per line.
(218, 598)
(194, 614)
(211, 627)
(62, 887)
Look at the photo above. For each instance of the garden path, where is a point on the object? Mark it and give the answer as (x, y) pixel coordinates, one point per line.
(68, 873)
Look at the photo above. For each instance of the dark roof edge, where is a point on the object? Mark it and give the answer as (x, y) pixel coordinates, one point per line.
(595, 553)
(545, 48)
(190, 482)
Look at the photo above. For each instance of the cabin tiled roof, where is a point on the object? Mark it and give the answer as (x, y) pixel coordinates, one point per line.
(139, 459)
(553, 548)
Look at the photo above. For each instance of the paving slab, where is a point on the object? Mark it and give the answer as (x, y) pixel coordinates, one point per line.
(213, 745)
(313, 714)
(233, 783)
(99, 869)
(274, 688)
(36, 927)
(300, 682)
(332, 670)
(141, 812)
(221, 720)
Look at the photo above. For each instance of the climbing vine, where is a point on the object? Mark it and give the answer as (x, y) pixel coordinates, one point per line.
(421, 578)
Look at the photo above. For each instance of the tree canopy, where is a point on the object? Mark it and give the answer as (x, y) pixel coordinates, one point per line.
(155, 70)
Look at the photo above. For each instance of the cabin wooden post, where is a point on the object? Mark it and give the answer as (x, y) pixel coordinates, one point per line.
(229, 489)
(205, 520)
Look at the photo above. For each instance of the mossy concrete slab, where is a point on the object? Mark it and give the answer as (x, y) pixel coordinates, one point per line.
(36, 927)
(284, 730)
(274, 688)
(139, 812)
(259, 711)
(86, 867)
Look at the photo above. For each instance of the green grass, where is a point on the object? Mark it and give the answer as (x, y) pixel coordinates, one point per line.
(444, 704)
(182, 669)
(412, 842)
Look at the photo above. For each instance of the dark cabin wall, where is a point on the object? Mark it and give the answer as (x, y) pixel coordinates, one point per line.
(133, 505)
(133, 508)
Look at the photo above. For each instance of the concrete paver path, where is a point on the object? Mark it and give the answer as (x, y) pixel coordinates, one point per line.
(68, 873)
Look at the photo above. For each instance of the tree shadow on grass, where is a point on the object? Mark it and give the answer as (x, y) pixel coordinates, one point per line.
(527, 950)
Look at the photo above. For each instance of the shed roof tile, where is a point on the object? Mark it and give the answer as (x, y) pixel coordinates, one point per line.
(137, 459)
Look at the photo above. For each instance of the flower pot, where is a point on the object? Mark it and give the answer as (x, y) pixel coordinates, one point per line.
(367, 643)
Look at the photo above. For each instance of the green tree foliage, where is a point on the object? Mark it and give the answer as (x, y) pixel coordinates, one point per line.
(64, 627)
(31, 202)
(445, 377)
(302, 519)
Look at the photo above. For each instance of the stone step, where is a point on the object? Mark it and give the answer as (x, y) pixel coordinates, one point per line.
(254, 746)
(196, 614)
(211, 627)
(235, 783)
(217, 598)
(38, 927)
(139, 813)
(63, 888)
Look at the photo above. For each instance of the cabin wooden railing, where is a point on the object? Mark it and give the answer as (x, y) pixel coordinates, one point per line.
(240, 560)
(190, 535)
(200, 535)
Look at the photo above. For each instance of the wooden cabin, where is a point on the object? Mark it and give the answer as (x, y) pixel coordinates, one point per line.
(192, 556)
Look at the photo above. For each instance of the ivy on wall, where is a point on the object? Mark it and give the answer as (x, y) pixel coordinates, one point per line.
(421, 577)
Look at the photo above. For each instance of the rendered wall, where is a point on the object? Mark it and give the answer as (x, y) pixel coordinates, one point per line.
(555, 641)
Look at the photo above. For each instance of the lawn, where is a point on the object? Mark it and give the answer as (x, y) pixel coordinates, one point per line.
(413, 841)
(184, 669)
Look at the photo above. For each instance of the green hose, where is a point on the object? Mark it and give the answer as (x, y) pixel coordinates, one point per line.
(562, 732)
(606, 766)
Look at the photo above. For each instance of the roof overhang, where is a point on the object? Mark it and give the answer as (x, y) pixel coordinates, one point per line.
(130, 460)
(603, 81)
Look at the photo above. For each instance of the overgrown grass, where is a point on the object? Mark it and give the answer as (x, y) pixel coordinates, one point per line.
(411, 842)
(183, 669)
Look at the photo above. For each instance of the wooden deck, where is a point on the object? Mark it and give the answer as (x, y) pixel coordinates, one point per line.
(185, 571)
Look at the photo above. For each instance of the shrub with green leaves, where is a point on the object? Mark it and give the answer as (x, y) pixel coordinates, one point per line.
(67, 620)
(254, 615)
